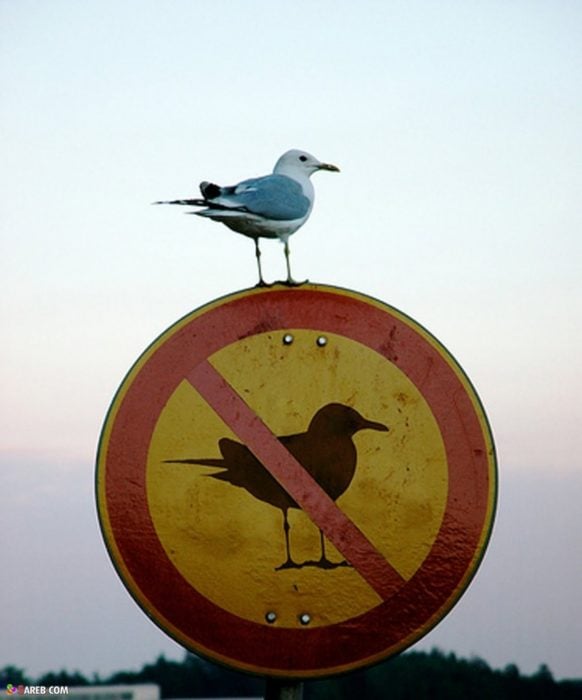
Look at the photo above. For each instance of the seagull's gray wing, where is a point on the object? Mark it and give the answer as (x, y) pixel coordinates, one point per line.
(274, 197)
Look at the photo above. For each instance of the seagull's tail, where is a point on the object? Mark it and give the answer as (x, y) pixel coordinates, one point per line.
(209, 191)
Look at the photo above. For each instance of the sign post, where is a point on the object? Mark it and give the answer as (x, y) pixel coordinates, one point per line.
(296, 482)
(282, 690)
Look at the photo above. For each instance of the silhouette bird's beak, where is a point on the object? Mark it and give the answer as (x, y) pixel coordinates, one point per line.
(372, 425)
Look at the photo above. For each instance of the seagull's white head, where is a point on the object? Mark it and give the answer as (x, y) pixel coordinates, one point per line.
(299, 164)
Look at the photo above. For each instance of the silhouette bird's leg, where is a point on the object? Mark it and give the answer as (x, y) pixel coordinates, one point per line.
(262, 282)
(288, 563)
(324, 562)
(323, 554)
(286, 527)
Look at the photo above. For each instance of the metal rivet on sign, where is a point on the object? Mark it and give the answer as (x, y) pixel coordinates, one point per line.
(321, 341)
(304, 619)
(270, 617)
(287, 339)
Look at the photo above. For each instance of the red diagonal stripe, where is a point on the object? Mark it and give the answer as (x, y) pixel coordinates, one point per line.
(298, 483)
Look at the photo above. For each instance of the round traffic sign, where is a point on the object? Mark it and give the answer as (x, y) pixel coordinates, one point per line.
(296, 482)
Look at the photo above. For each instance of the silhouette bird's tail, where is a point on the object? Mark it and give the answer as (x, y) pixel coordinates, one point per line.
(202, 462)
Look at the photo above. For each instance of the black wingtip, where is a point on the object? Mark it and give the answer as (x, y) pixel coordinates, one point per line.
(185, 202)
(209, 190)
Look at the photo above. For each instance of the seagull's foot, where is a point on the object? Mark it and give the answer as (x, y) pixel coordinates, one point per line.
(262, 283)
(290, 282)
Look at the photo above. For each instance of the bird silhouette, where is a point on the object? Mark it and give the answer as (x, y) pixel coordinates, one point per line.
(326, 451)
(271, 206)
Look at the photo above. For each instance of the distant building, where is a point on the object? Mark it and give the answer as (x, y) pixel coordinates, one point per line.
(144, 691)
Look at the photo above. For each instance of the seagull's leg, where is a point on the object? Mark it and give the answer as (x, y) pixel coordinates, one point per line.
(262, 282)
(290, 279)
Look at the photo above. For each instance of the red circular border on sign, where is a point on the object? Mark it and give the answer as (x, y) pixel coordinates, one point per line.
(374, 635)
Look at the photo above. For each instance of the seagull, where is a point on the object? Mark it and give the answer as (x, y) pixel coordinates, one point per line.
(326, 451)
(272, 206)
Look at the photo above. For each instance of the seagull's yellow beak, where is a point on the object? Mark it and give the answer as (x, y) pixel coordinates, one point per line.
(328, 166)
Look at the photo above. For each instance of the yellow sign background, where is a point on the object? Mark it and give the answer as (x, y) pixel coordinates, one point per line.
(227, 544)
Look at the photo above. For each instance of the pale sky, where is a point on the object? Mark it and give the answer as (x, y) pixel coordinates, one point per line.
(457, 129)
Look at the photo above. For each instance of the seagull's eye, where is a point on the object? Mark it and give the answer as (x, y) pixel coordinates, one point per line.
(303, 158)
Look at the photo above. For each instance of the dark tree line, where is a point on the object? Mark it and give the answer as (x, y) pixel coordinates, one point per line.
(410, 676)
